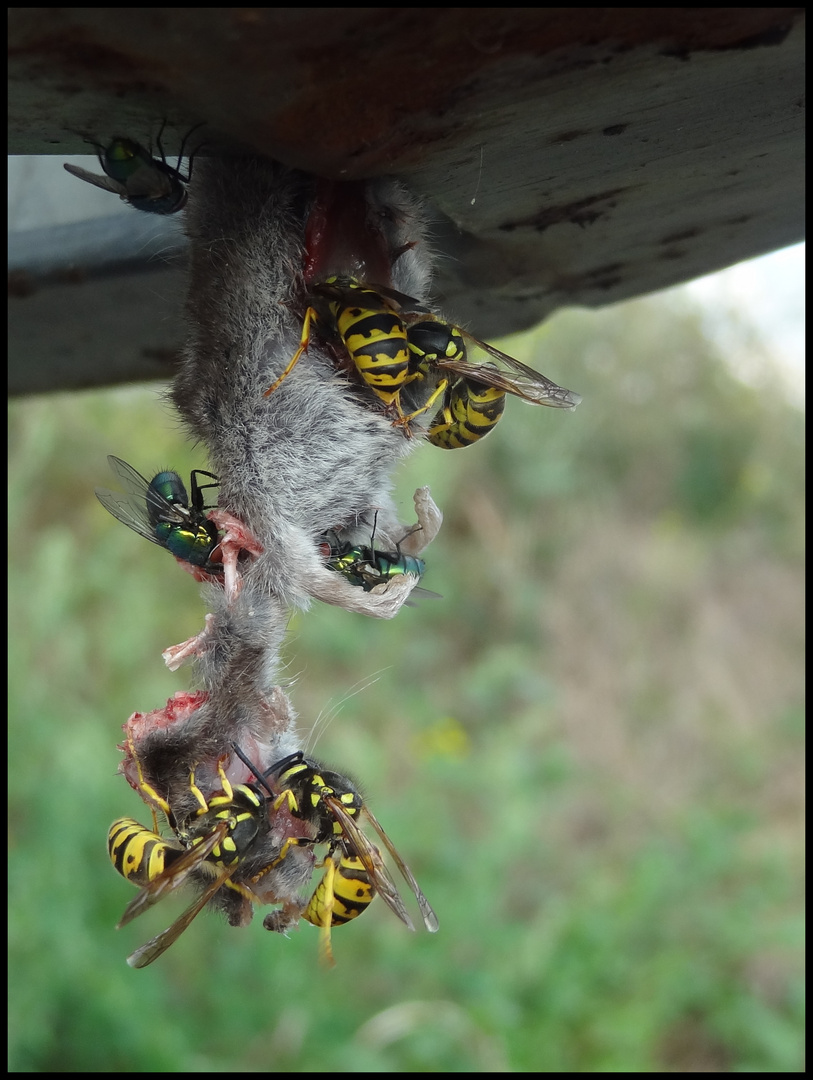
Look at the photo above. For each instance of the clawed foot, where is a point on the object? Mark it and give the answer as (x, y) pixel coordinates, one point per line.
(427, 528)
(236, 538)
(384, 601)
(176, 655)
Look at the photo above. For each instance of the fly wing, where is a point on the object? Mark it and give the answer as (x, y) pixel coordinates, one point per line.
(419, 593)
(107, 183)
(128, 511)
(150, 182)
(131, 508)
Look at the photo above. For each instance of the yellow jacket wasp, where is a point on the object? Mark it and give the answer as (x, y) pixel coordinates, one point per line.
(212, 844)
(354, 868)
(366, 321)
(410, 359)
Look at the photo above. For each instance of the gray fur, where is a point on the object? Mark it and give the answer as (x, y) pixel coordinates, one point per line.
(318, 454)
(315, 457)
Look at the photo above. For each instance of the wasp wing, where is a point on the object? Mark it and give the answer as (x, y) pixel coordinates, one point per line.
(406, 303)
(175, 875)
(161, 942)
(372, 861)
(524, 382)
(340, 290)
(430, 919)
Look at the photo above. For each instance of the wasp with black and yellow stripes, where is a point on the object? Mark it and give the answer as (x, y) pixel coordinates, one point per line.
(366, 320)
(410, 359)
(354, 868)
(210, 846)
(472, 395)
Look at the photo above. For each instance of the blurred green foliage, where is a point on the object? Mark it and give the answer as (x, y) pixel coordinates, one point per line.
(590, 751)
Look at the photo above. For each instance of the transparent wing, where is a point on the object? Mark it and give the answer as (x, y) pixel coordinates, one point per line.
(524, 382)
(407, 303)
(161, 942)
(129, 512)
(175, 875)
(376, 578)
(340, 291)
(430, 919)
(107, 183)
(131, 508)
(371, 859)
(419, 593)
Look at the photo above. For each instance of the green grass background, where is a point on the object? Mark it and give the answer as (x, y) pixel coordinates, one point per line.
(589, 751)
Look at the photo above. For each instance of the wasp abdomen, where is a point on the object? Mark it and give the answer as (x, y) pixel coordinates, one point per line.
(376, 339)
(469, 413)
(346, 889)
(139, 854)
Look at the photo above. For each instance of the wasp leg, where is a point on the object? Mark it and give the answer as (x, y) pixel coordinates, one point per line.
(405, 421)
(153, 799)
(286, 796)
(246, 894)
(304, 341)
(320, 910)
(292, 841)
